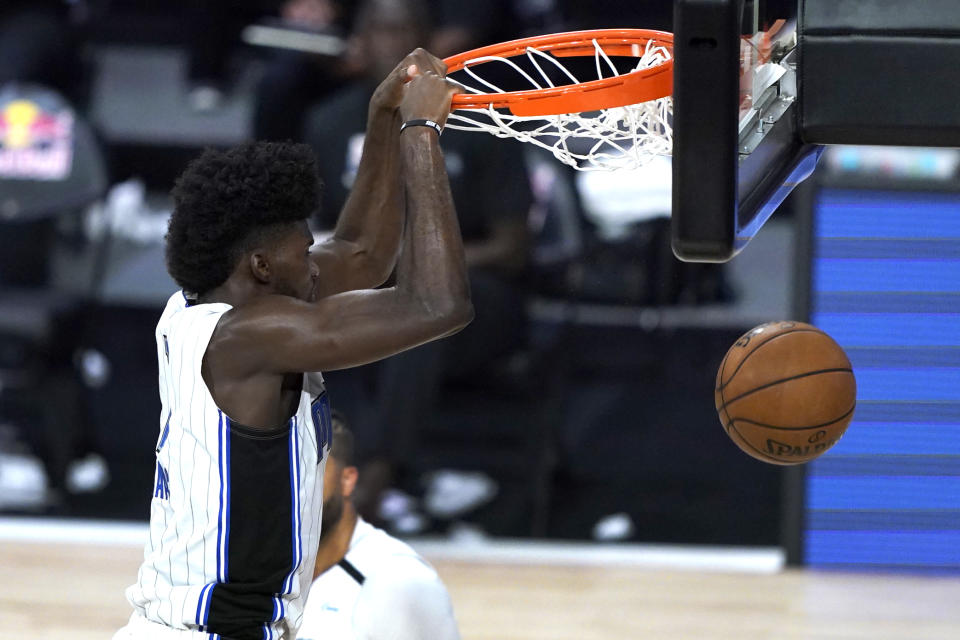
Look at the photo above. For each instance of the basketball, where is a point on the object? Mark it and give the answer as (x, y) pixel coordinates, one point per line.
(785, 392)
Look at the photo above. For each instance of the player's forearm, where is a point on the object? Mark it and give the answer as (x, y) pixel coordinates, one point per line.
(432, 268)
(372, 218)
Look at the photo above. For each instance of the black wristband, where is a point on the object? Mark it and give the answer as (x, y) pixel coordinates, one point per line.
(422, 123)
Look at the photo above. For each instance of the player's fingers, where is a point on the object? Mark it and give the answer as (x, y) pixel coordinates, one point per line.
(429, 83)
(450, 85)
(402, 74)
(427, 60)
(456, 87)
(439, 81)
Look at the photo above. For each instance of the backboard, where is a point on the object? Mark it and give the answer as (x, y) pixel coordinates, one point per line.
(737, 152)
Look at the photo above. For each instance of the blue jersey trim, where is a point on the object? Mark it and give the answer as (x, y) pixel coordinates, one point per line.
(277, 609)
(200, 604)
(166, 432)
(294, 495)
(295, 498)
(203, 604)
(220, 496)
(223, 522)
(226, 500)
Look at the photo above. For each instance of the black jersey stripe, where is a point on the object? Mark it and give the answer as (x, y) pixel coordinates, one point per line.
(261, 543)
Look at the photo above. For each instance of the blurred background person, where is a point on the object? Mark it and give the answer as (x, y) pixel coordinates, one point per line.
(40, 43)
(466, 25)
(213, 28)
(293, 80)
(51, 166)
(368, 585)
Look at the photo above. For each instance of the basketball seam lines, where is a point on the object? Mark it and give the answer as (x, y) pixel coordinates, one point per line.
(728, 423)
(776, 382)
(815, 426)
(755, 348)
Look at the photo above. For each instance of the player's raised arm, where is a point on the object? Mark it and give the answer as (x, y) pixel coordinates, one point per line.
(363, 250)
(431, 298)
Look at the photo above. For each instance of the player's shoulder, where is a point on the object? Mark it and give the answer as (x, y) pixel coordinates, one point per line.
(176, 305)
(405, 598)
(409, 574)
(180, 312)
(373, 541)
(373, 551)
(256, 318)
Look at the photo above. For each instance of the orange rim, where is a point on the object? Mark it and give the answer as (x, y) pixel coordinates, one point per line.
(631, 88)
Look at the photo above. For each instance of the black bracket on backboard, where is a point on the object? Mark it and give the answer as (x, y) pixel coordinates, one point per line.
(723, 194)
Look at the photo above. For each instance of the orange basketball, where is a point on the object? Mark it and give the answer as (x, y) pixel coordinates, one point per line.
(785, 392)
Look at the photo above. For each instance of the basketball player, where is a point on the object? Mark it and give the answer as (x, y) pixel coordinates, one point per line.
(235, 515)
(369, 585)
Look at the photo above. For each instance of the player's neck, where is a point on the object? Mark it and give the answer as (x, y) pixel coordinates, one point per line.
(334, 547)
(235, 292)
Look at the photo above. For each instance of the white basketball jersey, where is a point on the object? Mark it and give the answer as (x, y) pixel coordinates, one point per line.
(235, 514)
(381, 589)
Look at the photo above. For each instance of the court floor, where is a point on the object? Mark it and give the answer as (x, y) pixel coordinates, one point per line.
(65, 580)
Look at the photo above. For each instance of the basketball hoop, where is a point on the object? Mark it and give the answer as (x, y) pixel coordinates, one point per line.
(618, 119)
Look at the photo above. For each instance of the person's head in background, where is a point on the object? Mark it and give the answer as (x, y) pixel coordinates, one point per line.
(387, 30)
(339, 481)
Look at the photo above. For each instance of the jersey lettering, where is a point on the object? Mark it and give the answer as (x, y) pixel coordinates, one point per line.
(162, 488)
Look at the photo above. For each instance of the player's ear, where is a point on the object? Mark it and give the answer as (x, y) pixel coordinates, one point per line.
(260, 266)
(348, 480)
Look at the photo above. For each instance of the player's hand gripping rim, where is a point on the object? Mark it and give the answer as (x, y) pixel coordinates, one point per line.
(426, 101)
(389, 94)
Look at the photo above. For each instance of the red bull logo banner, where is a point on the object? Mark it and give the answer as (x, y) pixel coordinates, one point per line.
(36, 139)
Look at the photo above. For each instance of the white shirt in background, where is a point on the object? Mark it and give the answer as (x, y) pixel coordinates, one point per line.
(381, 590)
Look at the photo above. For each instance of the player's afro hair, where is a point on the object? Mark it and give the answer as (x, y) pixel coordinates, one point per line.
(225, 200)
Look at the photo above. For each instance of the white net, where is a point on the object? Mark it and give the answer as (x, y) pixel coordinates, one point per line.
(624, 137)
